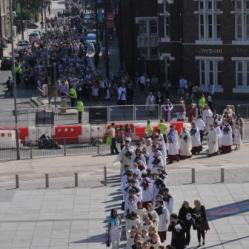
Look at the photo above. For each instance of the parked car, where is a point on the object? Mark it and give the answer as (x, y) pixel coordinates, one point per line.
(6, 63)
(24, 44)
(32, 25)
(91, 37)
(34, 36)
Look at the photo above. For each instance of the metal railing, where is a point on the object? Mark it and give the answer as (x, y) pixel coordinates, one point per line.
(115, 113)
(29, 150)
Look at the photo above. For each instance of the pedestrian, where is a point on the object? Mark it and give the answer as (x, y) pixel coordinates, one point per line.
(200, 223)
(148, 129)
(114, 229)
(236, 136)
(164, 220)
(173, 145)
(186, 215)
(73, 96)
(195, 140)
(202, 102)
(159, 99)
(112, 134)
(163, 129)
(150, 103)
(185, 144)
(178, 229)
(226, 138)
(201, 126)
(213, 141)
(168, 108)
(80, 108)
(122, 95)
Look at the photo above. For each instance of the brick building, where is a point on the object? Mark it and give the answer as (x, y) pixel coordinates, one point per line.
(206, 41)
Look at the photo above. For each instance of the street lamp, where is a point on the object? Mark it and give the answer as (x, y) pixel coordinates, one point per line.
(107, 66)
(14, 79)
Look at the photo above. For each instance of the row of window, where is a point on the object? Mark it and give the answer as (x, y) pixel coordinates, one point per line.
(210, 73)
(209, 14)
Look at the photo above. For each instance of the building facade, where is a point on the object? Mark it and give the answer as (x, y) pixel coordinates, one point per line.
(206, 41)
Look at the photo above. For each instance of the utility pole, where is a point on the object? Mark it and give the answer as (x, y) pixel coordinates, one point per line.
(21, 11)
(107, 66)
(14, 79)
(1, 32)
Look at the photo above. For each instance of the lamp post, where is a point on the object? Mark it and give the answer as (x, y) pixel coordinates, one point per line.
(107, 66)
(14, 79)
(1, 32)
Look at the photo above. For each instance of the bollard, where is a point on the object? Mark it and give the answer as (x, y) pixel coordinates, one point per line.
(76, 182)
(17, 181)
(46, 181)
(65, 151)
(222, 175)
(105, 176)
(31, 151)
(193, 175)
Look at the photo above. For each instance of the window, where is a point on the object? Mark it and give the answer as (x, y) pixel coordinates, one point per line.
(241, 20)
(210, 73)
(142, 27)
(242, 74)
(210, 20)
(166, 18)
(147, 40)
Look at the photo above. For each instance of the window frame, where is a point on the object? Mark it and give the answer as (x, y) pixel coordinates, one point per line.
(204, 12)
(241, 19)
(205, 70)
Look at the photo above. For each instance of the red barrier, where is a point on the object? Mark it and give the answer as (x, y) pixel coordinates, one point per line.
(69, 133)
(178, 125)
(23, 134)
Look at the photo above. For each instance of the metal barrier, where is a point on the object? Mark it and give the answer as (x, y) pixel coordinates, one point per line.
(243, 110)
(26, 117)
(29, 151)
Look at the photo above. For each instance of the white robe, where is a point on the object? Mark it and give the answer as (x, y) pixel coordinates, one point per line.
(196, 139)
(185, 144)
(173, 145)
(213, 146)
(227, 137)
(219, 134)
(124, 159)
(237, 136)
(207, 117)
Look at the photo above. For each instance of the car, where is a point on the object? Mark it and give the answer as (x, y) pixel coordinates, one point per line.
(34, 36)
(32, 25)
(24, 44)
(91, 37)
(6, 63)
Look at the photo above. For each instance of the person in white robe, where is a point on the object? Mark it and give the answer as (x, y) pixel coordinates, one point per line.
(213, 144)
(207, 116)
(227, 138)
(219, 134)
(173, 145)
(195, 140)
(125, 156)
(201, 126)
(236, 136)
(185, 144)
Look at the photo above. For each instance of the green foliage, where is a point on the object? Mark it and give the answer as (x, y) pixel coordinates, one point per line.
(28, 9)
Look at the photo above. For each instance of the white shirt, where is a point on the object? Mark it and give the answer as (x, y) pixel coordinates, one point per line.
(121, 93)
(200, 124)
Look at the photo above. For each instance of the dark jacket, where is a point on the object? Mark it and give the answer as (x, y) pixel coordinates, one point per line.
(185, 214)
(178, 236)
(200, 219)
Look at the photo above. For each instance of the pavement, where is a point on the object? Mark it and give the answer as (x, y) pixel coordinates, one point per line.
(75, 218)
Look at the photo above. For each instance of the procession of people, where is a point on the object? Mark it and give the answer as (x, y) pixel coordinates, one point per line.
(148, 206)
